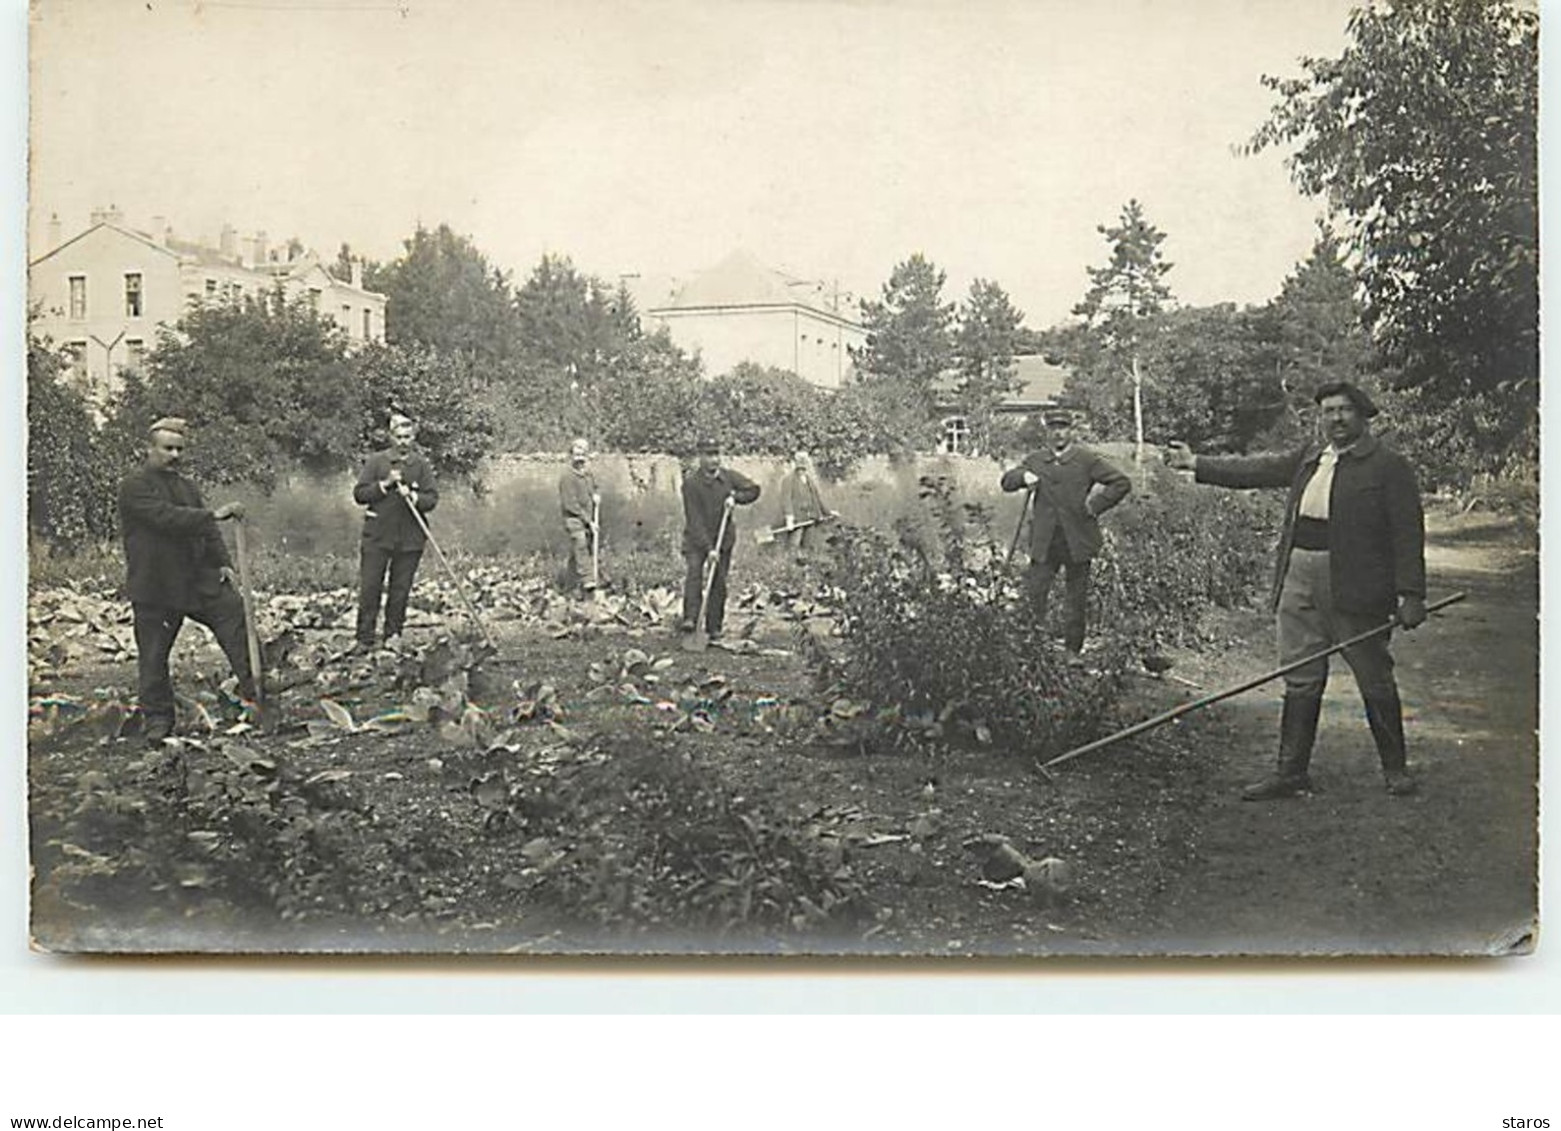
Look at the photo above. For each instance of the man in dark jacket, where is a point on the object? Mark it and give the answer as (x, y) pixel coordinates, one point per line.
(1351, 558)
(177, 566)
(1073, 487)
(710, 491)
(580, 502)
(392, 483)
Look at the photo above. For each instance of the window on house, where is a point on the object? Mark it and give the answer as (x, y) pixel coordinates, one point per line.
(132, 295)
(314, 297)
(135, 353)
(211, 289)
(956, 435)
(78, 296)
(368, 322)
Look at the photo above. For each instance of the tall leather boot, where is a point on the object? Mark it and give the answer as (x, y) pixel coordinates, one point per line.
(1297, 732)
(1385, 716)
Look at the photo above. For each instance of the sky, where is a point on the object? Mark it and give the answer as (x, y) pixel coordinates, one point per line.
(828, 138)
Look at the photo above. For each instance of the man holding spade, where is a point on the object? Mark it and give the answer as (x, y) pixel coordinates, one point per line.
(710, 492)
(178, 566)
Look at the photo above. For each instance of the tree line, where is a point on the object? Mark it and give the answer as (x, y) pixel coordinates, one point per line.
(1420, 139)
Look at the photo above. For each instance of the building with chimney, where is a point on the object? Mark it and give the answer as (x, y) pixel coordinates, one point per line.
(102, 294)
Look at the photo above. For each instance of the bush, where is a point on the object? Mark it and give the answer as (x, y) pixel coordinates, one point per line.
(936, 638)
(71, 485)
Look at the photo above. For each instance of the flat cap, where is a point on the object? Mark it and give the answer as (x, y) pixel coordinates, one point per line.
(175, 424)
(1363, 404)
(708, 446)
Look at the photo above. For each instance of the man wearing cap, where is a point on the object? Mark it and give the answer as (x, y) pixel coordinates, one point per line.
(393, 482)
(1351, 558)
(801, 502)
(580, 502)
(710, 491)
(177, 567)
(1072, 487)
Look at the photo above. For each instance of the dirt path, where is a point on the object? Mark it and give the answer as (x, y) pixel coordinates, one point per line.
(1451, 870)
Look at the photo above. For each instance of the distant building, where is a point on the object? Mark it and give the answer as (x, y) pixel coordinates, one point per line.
(740, 311)
(1040, 384)
(103, 293)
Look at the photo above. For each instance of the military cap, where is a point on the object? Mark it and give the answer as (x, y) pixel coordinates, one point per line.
(1057, 414)
(708, 446)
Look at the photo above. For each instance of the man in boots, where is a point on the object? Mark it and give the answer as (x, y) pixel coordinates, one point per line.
(393, 482)
(178, 566)
(710, 491)
(1073, 487)
(1351, 558)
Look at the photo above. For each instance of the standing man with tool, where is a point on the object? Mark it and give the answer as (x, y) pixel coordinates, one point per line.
(580, 501)
(177, 566)
(802, 507)
(1351, 557)
(710, 491)
(1062, 478)
(393, 538)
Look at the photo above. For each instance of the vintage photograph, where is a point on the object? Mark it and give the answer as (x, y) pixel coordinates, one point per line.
(1017, 478)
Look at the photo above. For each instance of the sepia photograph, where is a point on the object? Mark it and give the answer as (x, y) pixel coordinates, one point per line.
(1008, 479)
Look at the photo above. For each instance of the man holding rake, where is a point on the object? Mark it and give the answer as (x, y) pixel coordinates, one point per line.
(393, 538)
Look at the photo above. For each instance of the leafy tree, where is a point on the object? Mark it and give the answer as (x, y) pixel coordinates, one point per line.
(984, 347)
(1422, 138)
(71, 487)
(443, 293)
(909, 340)
(439, 391)
(1121, 311)
(266, 381)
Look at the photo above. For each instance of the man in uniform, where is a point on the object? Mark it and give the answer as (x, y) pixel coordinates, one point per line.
(178, 566)
(710, 491)
(1351, 558)
(1073, 487)
(392, 536)
(580, 502)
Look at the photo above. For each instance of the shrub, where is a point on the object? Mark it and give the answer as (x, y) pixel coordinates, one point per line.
(71, 485)
(935, 638)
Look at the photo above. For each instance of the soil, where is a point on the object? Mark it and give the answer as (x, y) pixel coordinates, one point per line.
(1164, 856)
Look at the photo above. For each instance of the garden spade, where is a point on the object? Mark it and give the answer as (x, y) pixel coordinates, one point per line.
(455, 579)
(251, 630)
(766, 535)
(699, 639)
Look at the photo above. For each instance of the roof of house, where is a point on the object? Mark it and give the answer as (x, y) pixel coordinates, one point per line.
(1040, 382)
(117, 229)
(741, 280)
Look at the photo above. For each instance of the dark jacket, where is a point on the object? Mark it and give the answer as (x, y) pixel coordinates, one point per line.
(1063, 498)
(574, 494)
(1376, 527)
(174, 553)
(800, 497)
(704, 497)
(389, 523)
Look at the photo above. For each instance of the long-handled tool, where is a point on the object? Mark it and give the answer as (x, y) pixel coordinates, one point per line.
(1245, 685)
(596, 547)
(1024, 513)
(455, 579)
(251, 630)
(766, 535)
(699, 639)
